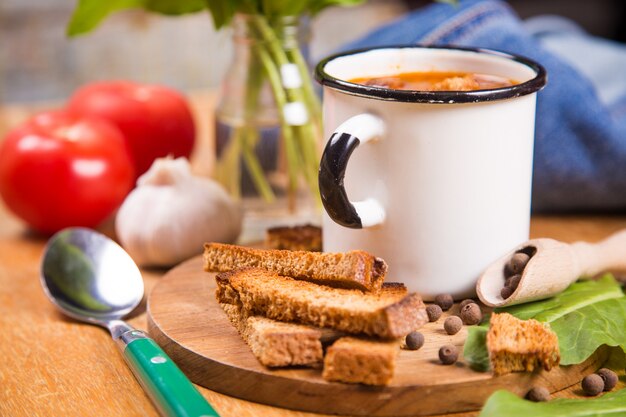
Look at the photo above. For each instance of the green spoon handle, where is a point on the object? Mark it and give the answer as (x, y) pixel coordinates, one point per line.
(166, 385)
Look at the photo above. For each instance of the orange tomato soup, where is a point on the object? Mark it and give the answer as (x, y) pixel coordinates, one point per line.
(437, 81)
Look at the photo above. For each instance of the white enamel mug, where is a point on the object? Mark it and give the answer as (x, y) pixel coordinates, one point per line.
(436, 183)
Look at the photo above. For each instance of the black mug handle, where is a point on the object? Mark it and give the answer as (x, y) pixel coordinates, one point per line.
(345, 139)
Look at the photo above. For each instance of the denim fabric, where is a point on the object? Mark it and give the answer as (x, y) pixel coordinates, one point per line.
(580, 142)
(602, 61)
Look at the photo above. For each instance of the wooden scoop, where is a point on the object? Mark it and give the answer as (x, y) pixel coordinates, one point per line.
(553, 266)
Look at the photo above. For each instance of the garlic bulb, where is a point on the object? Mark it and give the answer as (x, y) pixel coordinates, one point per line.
(171, 213)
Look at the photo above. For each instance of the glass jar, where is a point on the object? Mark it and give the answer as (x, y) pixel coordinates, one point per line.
(268, 124)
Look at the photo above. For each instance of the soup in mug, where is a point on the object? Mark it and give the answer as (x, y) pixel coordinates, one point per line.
(437, 81)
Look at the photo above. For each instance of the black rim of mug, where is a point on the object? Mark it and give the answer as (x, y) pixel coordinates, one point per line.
(436, 97)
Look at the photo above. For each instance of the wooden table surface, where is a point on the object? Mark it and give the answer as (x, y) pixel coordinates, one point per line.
(53, 366)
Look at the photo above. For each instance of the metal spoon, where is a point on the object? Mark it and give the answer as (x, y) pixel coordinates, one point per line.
(91, 278)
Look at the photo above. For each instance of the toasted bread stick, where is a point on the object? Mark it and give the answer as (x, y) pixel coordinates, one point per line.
(361, 361)
(277, 344)
(355, 269)
(304, 237)
(349, 359)
(386, 314)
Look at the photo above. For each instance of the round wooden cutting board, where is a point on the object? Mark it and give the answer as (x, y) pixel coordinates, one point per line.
(186, 320)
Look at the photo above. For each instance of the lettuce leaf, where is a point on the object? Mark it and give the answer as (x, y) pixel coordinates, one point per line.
(587, 315)
(475, 348)
(503, 403)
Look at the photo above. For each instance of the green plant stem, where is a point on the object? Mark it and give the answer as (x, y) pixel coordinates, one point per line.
(242, 144)
(313, 103)
(273, 59)
(227, 170)
(299, 141)
(314, 106)
(250, 136)
(281, 99)
(313, 128)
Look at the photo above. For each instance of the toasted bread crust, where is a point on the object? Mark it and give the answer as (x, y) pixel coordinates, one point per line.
(361, 361)
(304, 237)
(277, 344)
(355, 269)
(387, 314)
(349, 359)
(520, 345)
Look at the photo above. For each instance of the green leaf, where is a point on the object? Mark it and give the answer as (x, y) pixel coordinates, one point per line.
(89, 13)
(177, 7)
(503, 403)
(475, 350)
(223, 11)
(577, 296)
(587, 315)
(581, 332)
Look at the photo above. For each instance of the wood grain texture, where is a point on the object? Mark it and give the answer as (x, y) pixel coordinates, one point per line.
(185, 318)
(61, 367)
(54, 367)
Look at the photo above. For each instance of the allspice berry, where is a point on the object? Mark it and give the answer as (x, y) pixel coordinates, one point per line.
(414, 340)
(510, 285)
(466, 302)
(517, 263)
(513, 281)
(471, 314)
(609, 377)
(538, 394)
(593, 384)
(449, 354)
(445, 301)
(506, 292)
(452, 325)
(434, 312)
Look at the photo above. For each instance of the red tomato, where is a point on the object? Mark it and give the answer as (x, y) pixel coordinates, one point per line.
(155, 120)
(57, 171)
